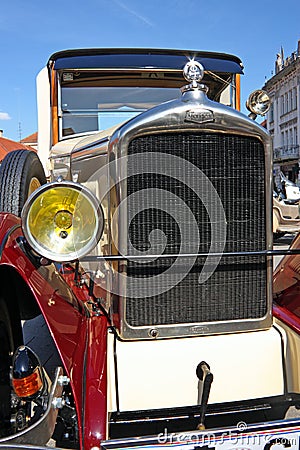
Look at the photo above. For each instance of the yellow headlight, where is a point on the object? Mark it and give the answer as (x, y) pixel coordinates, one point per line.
(62, 221)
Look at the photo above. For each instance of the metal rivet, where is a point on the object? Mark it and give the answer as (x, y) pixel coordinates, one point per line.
(153, 333)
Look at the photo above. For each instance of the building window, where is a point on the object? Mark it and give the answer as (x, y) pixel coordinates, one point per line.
(282, 105)
(271, 113)
(294, 97)
(290, 100)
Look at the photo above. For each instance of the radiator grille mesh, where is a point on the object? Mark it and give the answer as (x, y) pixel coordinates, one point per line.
(237, 289)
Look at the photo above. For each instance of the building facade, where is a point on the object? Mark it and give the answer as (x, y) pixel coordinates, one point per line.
(283, 119)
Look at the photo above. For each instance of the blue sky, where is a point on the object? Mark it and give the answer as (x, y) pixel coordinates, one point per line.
(30, 31)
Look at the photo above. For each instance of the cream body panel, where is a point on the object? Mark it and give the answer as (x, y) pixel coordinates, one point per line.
(44, 118)
(162, 373)
(67, 145)
(292, 361)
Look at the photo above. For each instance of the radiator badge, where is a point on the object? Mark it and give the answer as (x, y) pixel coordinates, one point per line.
(199, 116)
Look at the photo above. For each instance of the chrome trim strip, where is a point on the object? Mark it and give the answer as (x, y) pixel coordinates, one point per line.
(27, 447)
(194, 437)
(294, 251)
(194, 329)
(89, 152)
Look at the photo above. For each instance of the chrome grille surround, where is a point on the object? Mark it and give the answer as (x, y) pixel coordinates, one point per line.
(229, 149)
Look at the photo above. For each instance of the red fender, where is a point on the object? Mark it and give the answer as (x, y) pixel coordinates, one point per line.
(81, 339)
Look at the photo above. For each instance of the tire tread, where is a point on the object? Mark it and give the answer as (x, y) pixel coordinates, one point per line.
(14, 173)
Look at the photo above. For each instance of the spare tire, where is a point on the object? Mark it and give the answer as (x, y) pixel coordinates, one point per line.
(21, 172)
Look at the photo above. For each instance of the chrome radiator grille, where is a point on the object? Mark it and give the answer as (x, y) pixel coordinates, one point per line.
(237, 289)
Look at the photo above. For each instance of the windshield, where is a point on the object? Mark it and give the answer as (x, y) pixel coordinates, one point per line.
(97, 108)
(94, 100)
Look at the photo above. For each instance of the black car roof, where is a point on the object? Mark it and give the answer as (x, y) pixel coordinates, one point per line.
(141, 58)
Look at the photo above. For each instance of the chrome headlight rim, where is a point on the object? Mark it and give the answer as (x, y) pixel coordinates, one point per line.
(258, 102)
(47, 252)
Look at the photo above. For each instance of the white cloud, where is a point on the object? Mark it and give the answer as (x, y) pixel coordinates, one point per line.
(4, 116)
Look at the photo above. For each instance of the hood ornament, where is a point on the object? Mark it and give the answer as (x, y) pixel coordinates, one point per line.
(193, 71)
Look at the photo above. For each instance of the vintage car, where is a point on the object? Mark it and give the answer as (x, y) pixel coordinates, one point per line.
(286, 207)
(289, 189)
(136, 263)
(286, 216)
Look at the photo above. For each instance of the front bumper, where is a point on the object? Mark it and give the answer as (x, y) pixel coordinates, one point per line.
(282, 434)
